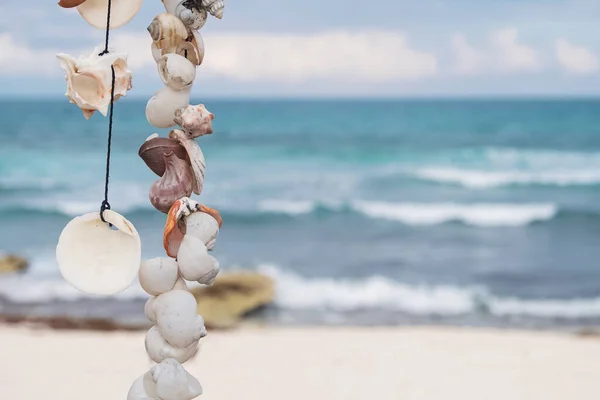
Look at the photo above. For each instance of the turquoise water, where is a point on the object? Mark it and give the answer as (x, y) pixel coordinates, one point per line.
(474, 211)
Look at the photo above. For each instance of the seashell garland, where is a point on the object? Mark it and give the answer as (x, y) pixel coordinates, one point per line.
(100, 252)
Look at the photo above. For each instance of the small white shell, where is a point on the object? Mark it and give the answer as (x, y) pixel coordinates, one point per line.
(143, 388)
(89, 80)
(177, 318)
(149, 310)
(159, 349)
(122, 11)
(97, 259)
(203, 227)
(176, 71)
(196, 121)
(195, 264)
(160, 110)
(173, 382)
(158, 275)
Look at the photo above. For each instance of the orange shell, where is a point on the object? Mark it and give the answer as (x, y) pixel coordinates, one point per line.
(173, 233)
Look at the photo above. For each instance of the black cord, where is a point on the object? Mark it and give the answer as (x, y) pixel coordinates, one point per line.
(105, 204)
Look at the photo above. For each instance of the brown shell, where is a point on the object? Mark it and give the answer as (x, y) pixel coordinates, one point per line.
(70, 3)
(153, 151)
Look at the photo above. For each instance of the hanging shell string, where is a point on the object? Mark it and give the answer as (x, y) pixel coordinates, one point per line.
(105, 204)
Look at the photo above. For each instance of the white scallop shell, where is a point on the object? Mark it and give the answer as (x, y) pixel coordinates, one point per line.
(160, 110)
(97, 259)
(122, 11)
(159, 349)
(158, 275)
(195, 264)
(176, 71)
(173, 382)
(177, 318)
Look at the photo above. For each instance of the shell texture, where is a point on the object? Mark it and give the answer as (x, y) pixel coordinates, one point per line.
(122, 11)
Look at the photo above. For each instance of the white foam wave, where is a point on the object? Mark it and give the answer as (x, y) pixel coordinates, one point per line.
(287, 206)
(485, 179)
(376, 292)
(479, 214)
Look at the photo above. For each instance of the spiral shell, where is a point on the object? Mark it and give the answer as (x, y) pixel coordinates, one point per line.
(167, 31)
(214, 7)
(193, 18)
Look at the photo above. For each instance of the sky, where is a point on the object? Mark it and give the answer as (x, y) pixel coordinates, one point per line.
(332, 48)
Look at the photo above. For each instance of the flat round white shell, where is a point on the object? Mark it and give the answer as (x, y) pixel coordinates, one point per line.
(97, 259)
(122, 11)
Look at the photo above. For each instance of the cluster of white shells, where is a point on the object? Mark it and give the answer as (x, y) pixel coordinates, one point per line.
(190, 232)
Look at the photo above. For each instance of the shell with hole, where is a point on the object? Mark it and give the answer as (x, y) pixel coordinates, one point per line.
(192, 49)
(96, 258)
(194, 18)
(159, 349)
(195, 156)
(176, 182)
(160, 110)
(204, 225)
(89, 80)
(195, 121)
(167, 32)
(214, 7)
(176, 71)
(183, 327)
(152, 151)
(70, 3)
(122, 11)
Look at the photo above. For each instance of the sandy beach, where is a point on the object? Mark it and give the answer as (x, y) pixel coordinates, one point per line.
(317, 363)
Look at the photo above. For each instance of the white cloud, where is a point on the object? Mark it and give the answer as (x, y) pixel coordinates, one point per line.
(468, 60)
(339, 56)
(575, 59)
(17, 58)
(510, 55)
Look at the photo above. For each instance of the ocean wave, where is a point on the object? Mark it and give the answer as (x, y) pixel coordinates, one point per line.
(483, 215)
(378, 292)
(476, 214)
(295, 292)
(485, 179)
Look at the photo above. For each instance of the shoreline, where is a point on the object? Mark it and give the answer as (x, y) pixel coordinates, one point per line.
(322, 363)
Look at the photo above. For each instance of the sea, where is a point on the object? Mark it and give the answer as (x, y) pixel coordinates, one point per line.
(479, 212)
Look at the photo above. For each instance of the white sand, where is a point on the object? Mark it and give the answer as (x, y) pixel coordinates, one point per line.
(319, 363)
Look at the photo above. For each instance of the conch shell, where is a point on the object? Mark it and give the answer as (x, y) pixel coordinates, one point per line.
(167, 32)
(97, 259)
(122, 11)
(214, 7)
(154, 149)
(196, 121)
(176, 183)
(195, 156)
(205, 228)
(176, 71)
(89, 80)
(70, 3)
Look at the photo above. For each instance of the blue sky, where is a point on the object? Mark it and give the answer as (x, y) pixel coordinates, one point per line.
(394, 48)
